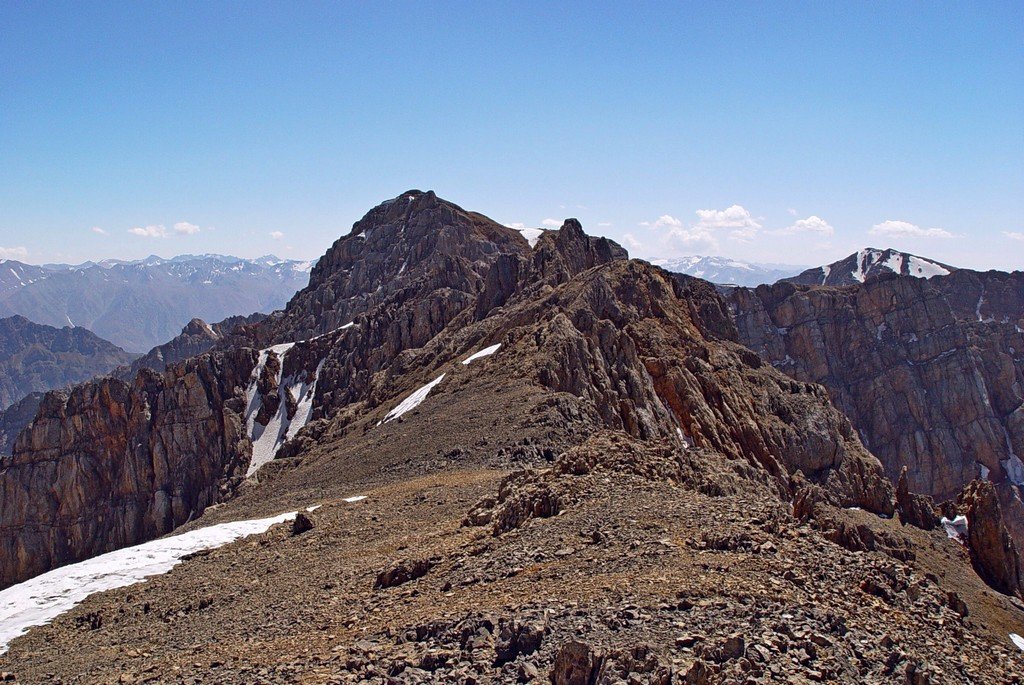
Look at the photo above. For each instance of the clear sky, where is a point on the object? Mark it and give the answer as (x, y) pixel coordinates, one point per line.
(773, 132)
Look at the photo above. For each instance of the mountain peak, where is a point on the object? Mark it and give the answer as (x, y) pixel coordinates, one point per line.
(869, 263)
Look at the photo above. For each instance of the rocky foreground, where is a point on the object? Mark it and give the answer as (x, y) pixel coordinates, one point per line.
(617, 491)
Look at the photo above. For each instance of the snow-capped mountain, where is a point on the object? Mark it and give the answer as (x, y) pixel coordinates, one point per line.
(726, 271)
(142, 303)
(870, 263)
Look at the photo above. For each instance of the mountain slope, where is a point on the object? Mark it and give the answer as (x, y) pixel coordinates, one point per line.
(139, 305)
(570, 464)
(871, 263)
(37, 358)
(725, 271)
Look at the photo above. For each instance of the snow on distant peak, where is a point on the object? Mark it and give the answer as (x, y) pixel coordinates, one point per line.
(726, 271)
(39, 600)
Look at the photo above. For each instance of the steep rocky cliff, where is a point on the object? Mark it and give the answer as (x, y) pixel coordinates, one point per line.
(37, 358)
(930, 371)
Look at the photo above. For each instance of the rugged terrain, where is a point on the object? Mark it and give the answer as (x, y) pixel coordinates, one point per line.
(36, 358)
(138, 305)
(612, 489)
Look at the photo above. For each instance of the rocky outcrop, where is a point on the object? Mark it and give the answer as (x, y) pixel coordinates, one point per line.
(14, 419)
(37, 358)
(651, 353)
(993, 552)
(110, 464)
(195, 338)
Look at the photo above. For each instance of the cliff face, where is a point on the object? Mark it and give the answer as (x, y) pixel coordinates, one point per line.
(930, 372)
(37, 358)
(111, 464)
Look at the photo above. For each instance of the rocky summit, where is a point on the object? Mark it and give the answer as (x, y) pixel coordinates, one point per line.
(481, 461)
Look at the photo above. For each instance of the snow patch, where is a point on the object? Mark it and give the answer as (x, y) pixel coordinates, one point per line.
(39, 600)
(532, 235)
(957, 528)
(357, 498)
(412, 401)
(922, 268)
(266, 440)
(1017, 640)
(486, 352)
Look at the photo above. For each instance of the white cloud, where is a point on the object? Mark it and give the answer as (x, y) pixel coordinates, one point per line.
(631, 240)
(737, 220)
(552, 223)
(1014, 235)
(679, 236)
(904, 229)
(604, 224)
(151, 231)
(13, 253)
(812, 224)
(276, 235)
(517, 225)
(98, 231)
(185, 228)
(792, 212)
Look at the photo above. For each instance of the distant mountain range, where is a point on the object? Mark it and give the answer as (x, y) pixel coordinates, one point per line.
(871, 263)
(726, 271)
(37, 358)
(140, 304)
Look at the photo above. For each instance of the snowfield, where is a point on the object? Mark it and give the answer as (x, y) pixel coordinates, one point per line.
(39, 600)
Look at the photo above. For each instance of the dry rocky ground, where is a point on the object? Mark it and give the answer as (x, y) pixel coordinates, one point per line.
(620, 561)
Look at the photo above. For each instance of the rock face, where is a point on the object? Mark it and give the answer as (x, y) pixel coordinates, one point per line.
(37, 358)
(111, 464)
(871, 263)
(993, 552)
(930, 371)
(14, 419)
(419, 283)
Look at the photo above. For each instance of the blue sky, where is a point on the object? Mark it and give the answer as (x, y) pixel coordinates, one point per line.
(774, 132)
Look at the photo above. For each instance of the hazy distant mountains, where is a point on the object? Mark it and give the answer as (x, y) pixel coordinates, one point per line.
(138, 305)
(36, 358)
(726, 271)
(870, 263)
